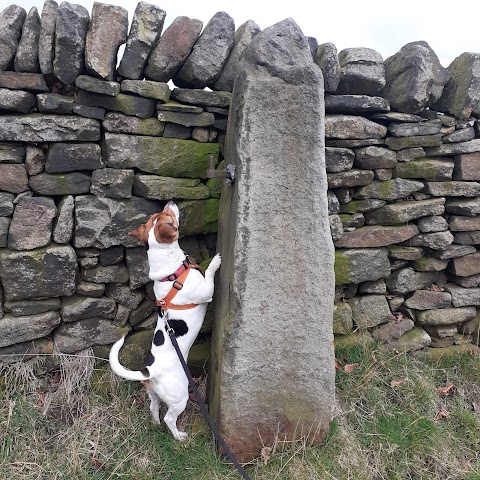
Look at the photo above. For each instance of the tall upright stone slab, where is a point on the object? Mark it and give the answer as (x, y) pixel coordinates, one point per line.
(276, 285)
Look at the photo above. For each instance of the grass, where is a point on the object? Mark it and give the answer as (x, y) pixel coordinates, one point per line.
(396, 418)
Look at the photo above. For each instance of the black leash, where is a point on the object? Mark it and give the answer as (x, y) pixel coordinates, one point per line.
(201, 404)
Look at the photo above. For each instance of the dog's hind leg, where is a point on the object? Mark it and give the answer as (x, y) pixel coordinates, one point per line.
(174, 410)
(154, 402)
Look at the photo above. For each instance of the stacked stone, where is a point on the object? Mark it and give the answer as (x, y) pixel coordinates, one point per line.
(89, 151)
(403, 167)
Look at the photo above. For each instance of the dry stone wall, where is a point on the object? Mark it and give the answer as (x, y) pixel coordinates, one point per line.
(89, 150)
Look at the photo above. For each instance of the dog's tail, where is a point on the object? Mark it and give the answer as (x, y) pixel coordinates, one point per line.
(119, 369)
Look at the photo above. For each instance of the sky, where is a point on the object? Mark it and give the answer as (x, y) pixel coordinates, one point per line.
(449, 28)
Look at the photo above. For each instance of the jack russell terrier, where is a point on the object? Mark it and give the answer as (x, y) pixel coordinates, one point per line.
(173, 276)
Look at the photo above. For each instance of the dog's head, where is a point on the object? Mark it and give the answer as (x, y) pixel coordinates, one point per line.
(164, 225)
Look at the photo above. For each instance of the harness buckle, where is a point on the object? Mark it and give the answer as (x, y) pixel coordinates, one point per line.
(162, 303)
(177, 285)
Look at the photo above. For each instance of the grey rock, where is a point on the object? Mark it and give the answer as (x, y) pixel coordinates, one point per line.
(203, 119)
(427, 300)
(243, 37)
(54, 103)
(209, 54)
(12, 153)
(398, 117)
(70, 32)
(172, 106)
(361, 265)
(96, 85)
(48, 128)
(89, 112)
(463, 297)
(407, 280)
(199, 216)
(392, 330)
(32, 223)
(453, 189)
(350, 178)
(436, 241)
(165, 188)
(377, 287)
(22, 329)
(138, 269)
(89, 289)
(16, 100)
(403, 212)
(108, 30)
(338, 159)
(455, 148)
(78, 307)
(400, 143)
(354, 143)
(4, 227)
(336, 227)
(460, 206)
(144, 310)
(470, 281)
(6, 204)
(203, 98)
(123, 295)
(104, 222)
(465, 266)
(286, 61)
(467, 238)
(370, 310)
(76, 336)
(375, 157)
(200, 134)
(342, 318)
(453, 251)
(463, 135)
(467, 166)
(461, 94)
(361, 72)
(409, 154)
(46, 272)
(34, 160)
(430, 127)
(173, 48)
(63, 229)
(354, 220)
(333, 203)
(414, 78)
(432, 169)
(22, 308)
(389, 190)
(432, 224)
(46, 41)
(13, 178)
(326, 57)
(146, 28)
(121, 316)
(415, 339)
(110, 274)
(446, 316)
(147, 88)
(60, 184)
(119, 123)
(352, 127)
(174, 130)
(111, 256)
(361, 206)
(161, 156)
(376, 236)
(11, 20)
(127, 104)
(69, 157)
(356, 104)
(458, 223)
(112, 182)
(26, 57)
(405, 253)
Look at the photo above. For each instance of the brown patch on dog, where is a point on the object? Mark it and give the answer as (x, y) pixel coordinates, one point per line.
(166, 228)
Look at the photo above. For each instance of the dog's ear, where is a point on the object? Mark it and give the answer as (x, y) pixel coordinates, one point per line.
(172, 209)
(140, 233)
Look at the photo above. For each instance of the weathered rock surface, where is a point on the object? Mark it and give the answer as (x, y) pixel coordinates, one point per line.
(432, 169)
(46, 41)
(446, 316)
(427, 299)
(13, 178)
(352, 127)
(407, 280)
(350, 178)
(453, 189)
(70, 157)
(112, 182)
(389, 190)
(165, 188)
(338, 159)
(11, 20)
(70, 32)
(55, 103)
(119, 123)
(97, 85)
(23, 351)
(46, 272)
(209, 54)
(400, 143)
(32, 82)
(430, 127)
(202, 97)
(26, 57)
(393, 330)
(63, 229)
(147, 88)
(375, 157)
(74, 183)
(355, 104)
(370, 310)
(326, 57)
(16, 100)
(361, 265)
(466, 266)
(78, 307)
(467, 166)
(462, 297)
(146, 28)
(376, 236)
(108, 274)
(454, 148)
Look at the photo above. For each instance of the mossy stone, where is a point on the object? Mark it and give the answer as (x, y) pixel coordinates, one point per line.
(198, 358)
(134, 352)
(342, 268)
(353, 339)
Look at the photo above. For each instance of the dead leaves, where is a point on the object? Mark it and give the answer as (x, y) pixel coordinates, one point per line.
(448, 390)
(265, 453)
(396, 383)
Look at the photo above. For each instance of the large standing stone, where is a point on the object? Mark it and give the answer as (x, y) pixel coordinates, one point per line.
(104, 222)
(326, 58)
(462, 92)
(32, 223)
(108, 30)
(70, 31)
(359, 265)
(243, 37)
(173, 48)
(11, 21)
(168, 157)
(21, 329)
(249, 403)
(26, 58)
(46, 272)
(46, 42)
(209, 54)
(48, 128)
(69, 157)
(147, 25)
(361, 72)
(414, 78)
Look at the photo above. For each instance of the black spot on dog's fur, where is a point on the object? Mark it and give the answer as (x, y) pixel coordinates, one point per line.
(159, 338)
(150, 359)
(179, 327)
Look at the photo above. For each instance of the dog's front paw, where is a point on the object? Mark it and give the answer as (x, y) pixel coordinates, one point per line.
(181, 436)
(215, 263)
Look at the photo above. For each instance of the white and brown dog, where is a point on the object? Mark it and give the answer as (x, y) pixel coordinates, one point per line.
(163, 375)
